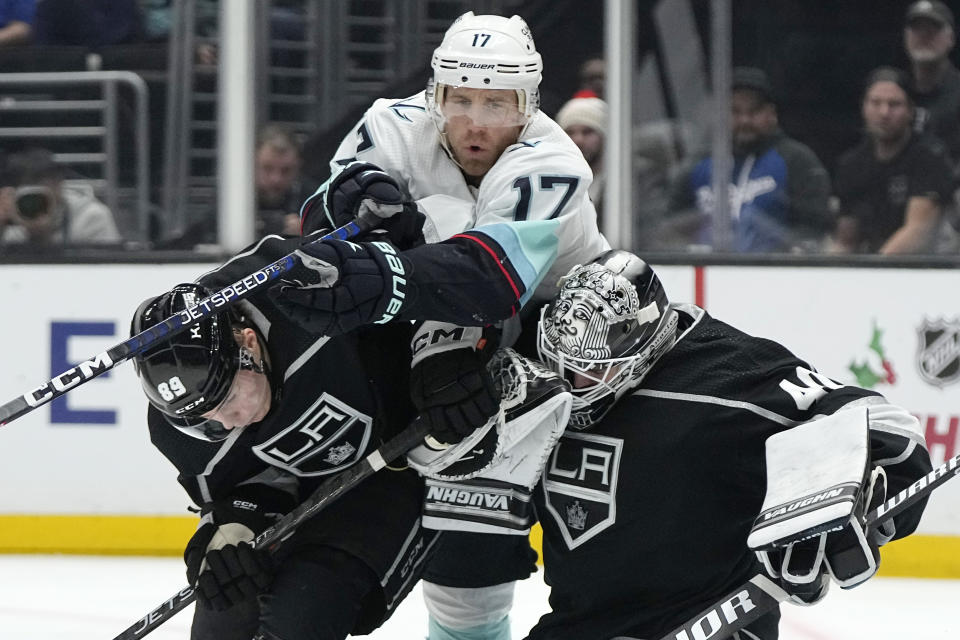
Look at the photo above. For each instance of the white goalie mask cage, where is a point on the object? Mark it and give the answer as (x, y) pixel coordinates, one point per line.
(606, 328)
(486, 52)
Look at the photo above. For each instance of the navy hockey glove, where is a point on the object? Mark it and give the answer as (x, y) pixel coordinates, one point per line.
(221, 561)
(449, 381)
(363, 187)
(339, 286)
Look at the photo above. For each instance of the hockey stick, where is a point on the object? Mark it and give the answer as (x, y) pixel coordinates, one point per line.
(150, 337)
(270, 539)
(760, 595)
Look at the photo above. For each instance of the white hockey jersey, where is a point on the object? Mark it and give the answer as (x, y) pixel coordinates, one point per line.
(541, 177)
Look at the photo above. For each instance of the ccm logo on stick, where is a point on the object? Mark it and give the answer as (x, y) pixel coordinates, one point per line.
(69, 378)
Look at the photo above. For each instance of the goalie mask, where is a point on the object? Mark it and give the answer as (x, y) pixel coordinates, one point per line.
(486, 52)
(191, 373)
(608, 325)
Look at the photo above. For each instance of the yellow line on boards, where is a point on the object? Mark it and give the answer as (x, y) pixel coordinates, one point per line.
(919, 556)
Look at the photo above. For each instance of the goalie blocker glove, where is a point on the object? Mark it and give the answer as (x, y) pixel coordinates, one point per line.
(364, 189)
(222, 563)
(811, 526)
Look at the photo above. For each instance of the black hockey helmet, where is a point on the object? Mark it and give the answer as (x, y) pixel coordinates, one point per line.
(608, 324)
(192, 372)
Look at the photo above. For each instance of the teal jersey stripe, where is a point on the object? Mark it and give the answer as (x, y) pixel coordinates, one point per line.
(530, 245)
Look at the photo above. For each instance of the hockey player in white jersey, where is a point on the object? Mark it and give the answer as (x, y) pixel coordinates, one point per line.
(471, 152)
(474, 149)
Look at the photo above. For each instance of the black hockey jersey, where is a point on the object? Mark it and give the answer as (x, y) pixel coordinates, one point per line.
(335, 400)
(646, 515)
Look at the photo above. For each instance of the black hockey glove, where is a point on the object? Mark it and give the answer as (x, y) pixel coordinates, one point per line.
(449, 382)
(850, 554)
(221, 561)
(853, 552)
(364, 187)
(338, 286)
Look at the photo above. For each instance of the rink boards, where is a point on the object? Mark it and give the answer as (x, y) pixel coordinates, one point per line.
(81, 476)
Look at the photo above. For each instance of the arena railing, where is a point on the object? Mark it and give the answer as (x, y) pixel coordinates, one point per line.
(56, 98)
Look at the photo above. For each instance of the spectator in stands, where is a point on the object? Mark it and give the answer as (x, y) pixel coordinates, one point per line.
(46, 211)
(928, 39)
(279, 192)
(277, 177)
(158, 18)
(779, 190)
(88, 23)
(585, 121)
(16, 20)
(890, 188)
(593, 76)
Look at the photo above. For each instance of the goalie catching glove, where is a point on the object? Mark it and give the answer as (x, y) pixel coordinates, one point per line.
(222, 563)
(337, 286)
(819, 490)
(484, 483)
(364, 190)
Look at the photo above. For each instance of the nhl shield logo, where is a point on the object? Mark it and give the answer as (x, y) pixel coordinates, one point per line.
(580, 485)
(938, 351)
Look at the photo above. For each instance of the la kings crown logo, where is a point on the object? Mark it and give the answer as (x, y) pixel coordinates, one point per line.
(938, 352)
(580, 485)
(328, 436)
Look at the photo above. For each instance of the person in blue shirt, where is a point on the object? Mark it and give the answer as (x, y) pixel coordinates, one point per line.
(16, 20)
(778, 190)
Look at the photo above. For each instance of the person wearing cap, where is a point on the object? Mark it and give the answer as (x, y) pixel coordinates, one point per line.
(778, 189)
(585, 121)
(928, 37)
(891, 188)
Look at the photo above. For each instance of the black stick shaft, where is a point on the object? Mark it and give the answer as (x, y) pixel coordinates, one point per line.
(323, 496)
(106, 360)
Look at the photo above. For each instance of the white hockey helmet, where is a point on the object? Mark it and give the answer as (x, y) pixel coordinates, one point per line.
(487, 52)
(609, 324)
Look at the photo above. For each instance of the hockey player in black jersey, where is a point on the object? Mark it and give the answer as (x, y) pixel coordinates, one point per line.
(254, 413)
(683, 430)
